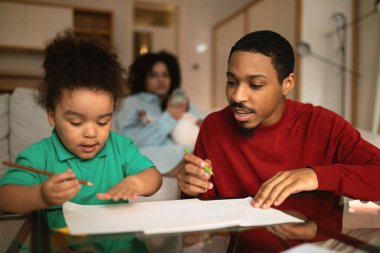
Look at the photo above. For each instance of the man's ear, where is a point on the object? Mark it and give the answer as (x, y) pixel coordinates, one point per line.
(288, 84)
(51, 118)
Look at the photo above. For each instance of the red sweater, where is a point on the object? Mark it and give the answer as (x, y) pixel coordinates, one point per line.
(305, 136)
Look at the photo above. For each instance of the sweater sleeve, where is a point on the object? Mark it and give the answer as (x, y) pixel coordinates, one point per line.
(200, 151)
(355, 171)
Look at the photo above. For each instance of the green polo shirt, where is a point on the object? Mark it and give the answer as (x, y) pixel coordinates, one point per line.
(118, 159)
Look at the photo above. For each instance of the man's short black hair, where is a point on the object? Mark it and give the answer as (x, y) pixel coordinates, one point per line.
(270, 44)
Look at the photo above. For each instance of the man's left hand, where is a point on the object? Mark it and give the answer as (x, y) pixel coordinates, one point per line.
(275, 190)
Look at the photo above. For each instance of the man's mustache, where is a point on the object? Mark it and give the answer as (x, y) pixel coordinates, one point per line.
(241, 106)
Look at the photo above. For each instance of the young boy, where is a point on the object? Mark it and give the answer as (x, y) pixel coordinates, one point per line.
(81, 89)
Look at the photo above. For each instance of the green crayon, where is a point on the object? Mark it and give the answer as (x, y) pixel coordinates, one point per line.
(206, 168)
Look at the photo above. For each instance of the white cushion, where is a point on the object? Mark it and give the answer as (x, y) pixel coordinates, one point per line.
(371, 137)
(168, 191)
(186, 130)
(28, 121)
(4, 131)
(166, 157)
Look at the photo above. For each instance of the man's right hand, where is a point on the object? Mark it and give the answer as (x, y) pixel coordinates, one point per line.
(192, 179)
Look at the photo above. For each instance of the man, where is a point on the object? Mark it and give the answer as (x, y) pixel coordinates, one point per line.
(266, 146)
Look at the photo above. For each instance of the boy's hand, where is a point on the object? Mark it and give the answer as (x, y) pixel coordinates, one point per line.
(126, 189)
(192, 179)
(59, 188)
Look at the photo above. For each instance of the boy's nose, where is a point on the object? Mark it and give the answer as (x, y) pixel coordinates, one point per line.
(90, 132)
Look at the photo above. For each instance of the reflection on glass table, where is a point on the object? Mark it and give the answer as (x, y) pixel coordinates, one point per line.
(326, 225)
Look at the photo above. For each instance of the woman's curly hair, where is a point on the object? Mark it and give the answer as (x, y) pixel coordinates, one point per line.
(72, 63)
(144, 64)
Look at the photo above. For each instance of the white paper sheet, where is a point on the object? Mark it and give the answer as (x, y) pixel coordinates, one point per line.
(171, 216)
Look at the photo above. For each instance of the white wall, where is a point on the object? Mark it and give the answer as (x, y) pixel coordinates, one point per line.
(196, 19)
(320, 83)
(368, 65)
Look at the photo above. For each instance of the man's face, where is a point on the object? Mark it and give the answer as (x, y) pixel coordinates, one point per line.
(83, 120)
(253, 91)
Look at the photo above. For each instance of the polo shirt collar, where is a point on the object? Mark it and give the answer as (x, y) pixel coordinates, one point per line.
(64, 154)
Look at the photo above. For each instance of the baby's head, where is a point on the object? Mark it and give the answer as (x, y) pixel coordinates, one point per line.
(83, 84)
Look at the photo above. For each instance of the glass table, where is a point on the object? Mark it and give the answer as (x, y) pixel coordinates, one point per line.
(328, 225)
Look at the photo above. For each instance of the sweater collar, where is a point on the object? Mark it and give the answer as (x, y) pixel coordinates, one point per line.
(273, 128)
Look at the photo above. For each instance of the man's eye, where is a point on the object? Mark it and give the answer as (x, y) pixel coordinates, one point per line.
(255, 86)
(231, 83)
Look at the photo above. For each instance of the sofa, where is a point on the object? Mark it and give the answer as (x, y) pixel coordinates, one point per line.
(23, 122)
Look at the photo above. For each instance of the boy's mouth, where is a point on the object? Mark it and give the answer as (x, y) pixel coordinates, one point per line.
(88, 148)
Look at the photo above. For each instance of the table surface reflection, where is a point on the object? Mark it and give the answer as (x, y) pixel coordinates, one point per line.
(328, 224)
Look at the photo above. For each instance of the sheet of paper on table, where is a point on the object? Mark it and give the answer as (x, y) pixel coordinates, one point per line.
(172, 216)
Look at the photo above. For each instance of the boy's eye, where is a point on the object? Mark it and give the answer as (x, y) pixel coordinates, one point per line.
(102, 123)
(76, 123)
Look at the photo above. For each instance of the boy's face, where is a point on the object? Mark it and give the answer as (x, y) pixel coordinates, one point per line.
(83, 120)
(158, 80)
(253, 91)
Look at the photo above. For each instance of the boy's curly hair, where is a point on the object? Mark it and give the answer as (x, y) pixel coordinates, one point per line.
(72, 63)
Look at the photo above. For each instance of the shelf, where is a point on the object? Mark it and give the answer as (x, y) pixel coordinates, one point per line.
(20, 24)
(21, 49)
(10, 81)
(93, 24)
(90, 31)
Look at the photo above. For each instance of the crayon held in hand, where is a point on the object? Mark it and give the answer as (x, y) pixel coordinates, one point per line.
(40, 171)
(206, 168)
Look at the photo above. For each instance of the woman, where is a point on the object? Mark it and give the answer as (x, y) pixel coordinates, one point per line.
(151, 113)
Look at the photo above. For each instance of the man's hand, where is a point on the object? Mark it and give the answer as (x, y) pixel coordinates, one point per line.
(192, 179)
(275, 190)
(59, 188)
(295, 231)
